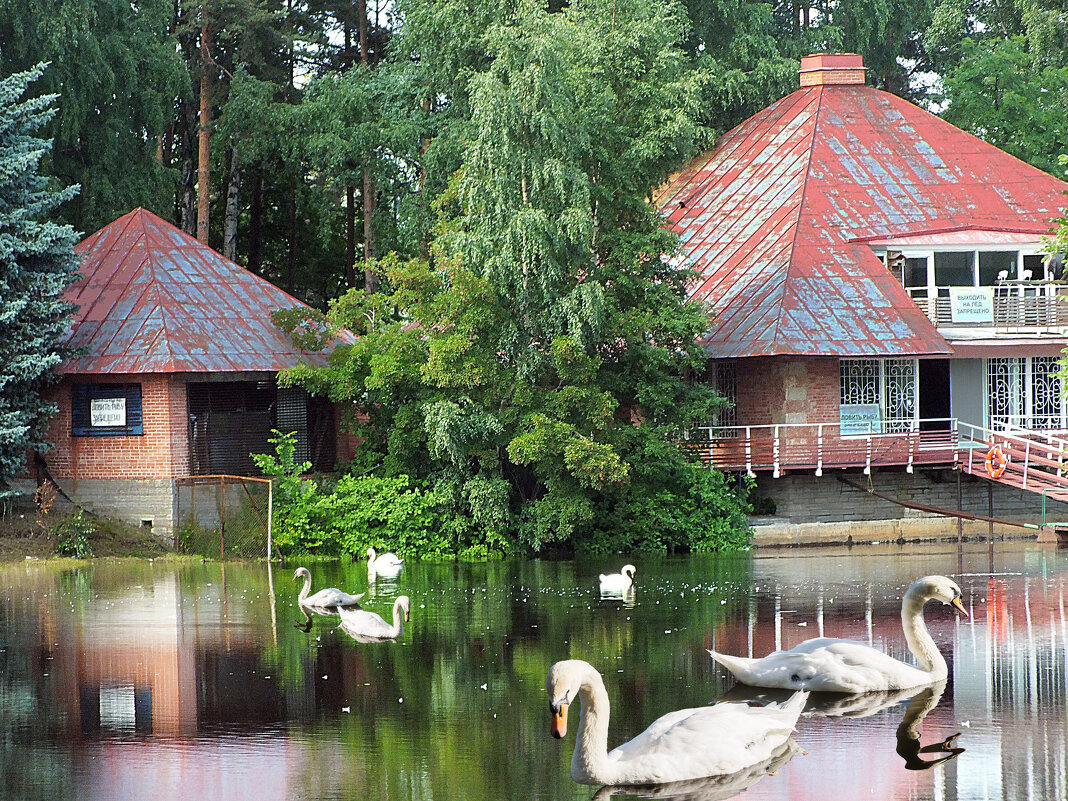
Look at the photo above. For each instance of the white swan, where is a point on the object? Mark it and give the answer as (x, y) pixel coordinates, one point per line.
(707, 788)
(364, 626)
(385, 565)
(827, 664)
(682, 745)
(617, 582)
(324, 599)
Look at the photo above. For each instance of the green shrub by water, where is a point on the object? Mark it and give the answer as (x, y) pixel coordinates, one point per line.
(72, 536)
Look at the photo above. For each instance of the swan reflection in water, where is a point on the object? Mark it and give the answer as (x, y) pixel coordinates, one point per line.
(862, 705)
(710, 788)
(626, 595)
(909, 747)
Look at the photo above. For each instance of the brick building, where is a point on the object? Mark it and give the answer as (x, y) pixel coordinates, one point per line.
(884, 309)
(176, 376)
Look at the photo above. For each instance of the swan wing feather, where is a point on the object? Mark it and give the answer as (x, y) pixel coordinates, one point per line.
(690, 743)
(331, 596)
(825, 664)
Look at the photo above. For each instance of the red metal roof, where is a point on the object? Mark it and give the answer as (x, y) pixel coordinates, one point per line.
(152, 299)
(777, 220)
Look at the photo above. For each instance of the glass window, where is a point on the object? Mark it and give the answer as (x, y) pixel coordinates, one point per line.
(1005, 391)
(915, 273)
(1035, 265)
(106, 410)
(953, 269)
(995, 265)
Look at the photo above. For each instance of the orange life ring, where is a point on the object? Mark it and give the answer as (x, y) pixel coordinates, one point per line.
(995, 462)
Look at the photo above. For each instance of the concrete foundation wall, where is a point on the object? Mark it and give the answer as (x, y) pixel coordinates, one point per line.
(812, 509)
(148, 501)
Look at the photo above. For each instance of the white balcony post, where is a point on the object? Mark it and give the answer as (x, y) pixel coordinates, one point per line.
(749, 453)
(775, 454)
(1027, 462)
(819, 449)
(914, 437)
(867, 465)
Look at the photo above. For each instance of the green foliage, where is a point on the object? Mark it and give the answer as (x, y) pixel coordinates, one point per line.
(37, 263)
(1003, 93)
(358, 512)
(72, 536)
(117, 70)
(534, 374)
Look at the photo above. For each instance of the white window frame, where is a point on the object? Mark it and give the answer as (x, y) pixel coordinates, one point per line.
(883, 371)
(1023, 393)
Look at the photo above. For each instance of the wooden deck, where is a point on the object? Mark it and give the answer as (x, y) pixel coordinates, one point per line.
(1036, 461)
(819, 446)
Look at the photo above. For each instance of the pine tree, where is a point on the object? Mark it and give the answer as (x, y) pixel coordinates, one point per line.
(37, 263)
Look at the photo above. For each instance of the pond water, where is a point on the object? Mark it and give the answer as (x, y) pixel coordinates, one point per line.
(135, 680)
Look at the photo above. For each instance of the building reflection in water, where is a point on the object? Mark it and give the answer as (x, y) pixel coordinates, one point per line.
(169, 681)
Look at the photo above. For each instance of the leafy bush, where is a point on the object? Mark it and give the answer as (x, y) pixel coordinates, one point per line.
(359, 512)
(73, 536)
(703, 514)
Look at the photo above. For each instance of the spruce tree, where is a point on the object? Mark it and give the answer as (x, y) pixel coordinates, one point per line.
(37, 263)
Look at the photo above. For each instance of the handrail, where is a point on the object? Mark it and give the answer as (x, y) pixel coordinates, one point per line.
(816, 446)
(1033, 471)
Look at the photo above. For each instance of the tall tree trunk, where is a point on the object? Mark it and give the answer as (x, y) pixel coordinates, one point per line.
(292, 280)
(255, 222)
(370, 280)
(361, 24)
(188, 210)
(233, 208)
(350, 235)
(204, 163)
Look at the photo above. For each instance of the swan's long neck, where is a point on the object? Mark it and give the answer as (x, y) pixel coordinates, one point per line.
(398, 619)
(589, 763)
(918, 638)
(306, 588)
(370, 556)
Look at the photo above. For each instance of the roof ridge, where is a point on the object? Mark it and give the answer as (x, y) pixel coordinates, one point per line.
(800, 207)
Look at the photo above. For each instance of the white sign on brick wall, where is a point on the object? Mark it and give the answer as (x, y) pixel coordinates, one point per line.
(107, 412)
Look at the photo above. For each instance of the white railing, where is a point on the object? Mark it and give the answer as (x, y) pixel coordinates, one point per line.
(815, 446)
(1035, 460)
(1017, 305)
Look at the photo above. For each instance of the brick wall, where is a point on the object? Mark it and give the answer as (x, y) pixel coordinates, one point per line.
(162, 451)
(774, 390)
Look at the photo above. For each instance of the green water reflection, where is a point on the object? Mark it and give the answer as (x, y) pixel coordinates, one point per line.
(140, 679)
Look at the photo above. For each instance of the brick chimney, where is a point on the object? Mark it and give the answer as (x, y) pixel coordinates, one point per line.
(832, 69)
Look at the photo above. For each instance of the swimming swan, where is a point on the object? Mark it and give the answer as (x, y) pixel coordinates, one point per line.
(364, 626)
(707, 788)
(323, 599)
(386, 565)
(682, 745)
(826, 664)
(617, 582)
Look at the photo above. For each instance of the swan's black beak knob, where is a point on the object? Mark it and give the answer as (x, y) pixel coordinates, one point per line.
(958, 604)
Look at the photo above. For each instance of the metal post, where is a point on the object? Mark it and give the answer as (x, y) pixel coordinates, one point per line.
(222, 520)
(990, 508)
(270, 516)
(960, 507)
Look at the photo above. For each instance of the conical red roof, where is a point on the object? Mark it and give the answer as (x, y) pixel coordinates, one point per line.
(155, 300)
(777, 220)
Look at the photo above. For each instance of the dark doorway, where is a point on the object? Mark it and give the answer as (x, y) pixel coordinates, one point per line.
(934, 394)
(230, 420)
